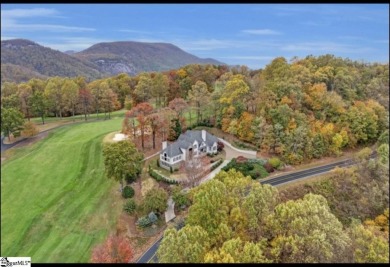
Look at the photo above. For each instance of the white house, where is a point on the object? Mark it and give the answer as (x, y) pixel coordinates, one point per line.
(188, 145)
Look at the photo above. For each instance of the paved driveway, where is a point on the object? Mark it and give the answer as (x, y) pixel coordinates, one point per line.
(232, 152)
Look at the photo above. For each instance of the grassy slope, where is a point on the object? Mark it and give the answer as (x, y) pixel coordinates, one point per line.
(56, 202)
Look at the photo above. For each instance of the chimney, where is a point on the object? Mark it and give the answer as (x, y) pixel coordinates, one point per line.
(204, 135)
(164, 145)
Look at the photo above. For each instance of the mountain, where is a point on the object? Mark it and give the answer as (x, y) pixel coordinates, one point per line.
(23, 59)
(70, 52)
(26, 55)
(15, 73)
(134, 57)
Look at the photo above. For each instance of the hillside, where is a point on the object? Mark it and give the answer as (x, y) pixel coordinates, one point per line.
(24, 59)
(135, 57)
(16, 73)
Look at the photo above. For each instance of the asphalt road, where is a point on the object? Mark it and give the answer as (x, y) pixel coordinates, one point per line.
(4, 147)
(150, 254)
(306, 173)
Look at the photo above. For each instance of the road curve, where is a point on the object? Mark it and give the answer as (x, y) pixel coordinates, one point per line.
(150, 254)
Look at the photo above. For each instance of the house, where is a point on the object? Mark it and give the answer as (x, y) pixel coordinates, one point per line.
(189, 144)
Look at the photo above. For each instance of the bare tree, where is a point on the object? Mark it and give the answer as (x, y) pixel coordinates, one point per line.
(194, 171)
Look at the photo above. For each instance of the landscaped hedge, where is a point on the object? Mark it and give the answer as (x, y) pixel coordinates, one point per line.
(159, 177)
(252, 167)
(213, 167)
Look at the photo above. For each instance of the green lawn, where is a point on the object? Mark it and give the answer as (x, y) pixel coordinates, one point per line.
(56, 202)
(77, 118)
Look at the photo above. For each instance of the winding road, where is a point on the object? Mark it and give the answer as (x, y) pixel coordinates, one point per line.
(150, 254)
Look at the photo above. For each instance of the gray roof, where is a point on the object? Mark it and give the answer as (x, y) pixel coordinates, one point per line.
(186, 140)
(210, 139)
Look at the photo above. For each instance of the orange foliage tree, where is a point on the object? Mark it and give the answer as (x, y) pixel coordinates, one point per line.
(115, 249)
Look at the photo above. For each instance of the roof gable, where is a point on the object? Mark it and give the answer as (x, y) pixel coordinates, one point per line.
(186, 140)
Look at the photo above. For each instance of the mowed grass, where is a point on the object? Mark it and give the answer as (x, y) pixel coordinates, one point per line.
(56, 202)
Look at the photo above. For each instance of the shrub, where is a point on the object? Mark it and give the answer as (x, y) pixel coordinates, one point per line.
(275, 162)
(130, 206)
(268, 167)
(152, 217)
(216, 165)
(383, 138)
(144, 222)
(128, 192)
(220, 146)
(158, 163)
(170, 169)
(253, 168)
(130, 178)
(29, 129)
(159, 177)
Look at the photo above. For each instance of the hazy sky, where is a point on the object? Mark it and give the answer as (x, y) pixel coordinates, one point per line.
(246, 34)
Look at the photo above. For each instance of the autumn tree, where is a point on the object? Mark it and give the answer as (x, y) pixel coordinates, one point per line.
(257, 206)
(25, 93)
(29, 129)
(115, 249)
(98, 91)
(188, 245)
(70, 92)
(325, 242)
(199, 95)
(155, 121)
(237, 251)
(155, 200)
(160, 86)
(179, 197)
(368, 245)
(122, 161)
(39, 102)
(121, 86)
(141, 111)
(54, 95)
(109, 102)
(142, 92)
(9, 95)
(85, 100)
(235, 89)
(11, 121)
(178, 105)
(193, 169)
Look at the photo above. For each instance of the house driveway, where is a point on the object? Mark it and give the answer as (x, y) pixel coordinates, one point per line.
(232, 152)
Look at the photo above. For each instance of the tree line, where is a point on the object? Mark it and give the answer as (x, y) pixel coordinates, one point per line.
(298, 110)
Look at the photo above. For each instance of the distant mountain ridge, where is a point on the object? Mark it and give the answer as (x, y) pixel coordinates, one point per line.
(134, 57)
(23, 59)
(43, 60)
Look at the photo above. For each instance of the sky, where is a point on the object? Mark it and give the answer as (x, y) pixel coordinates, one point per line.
(236, 34)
